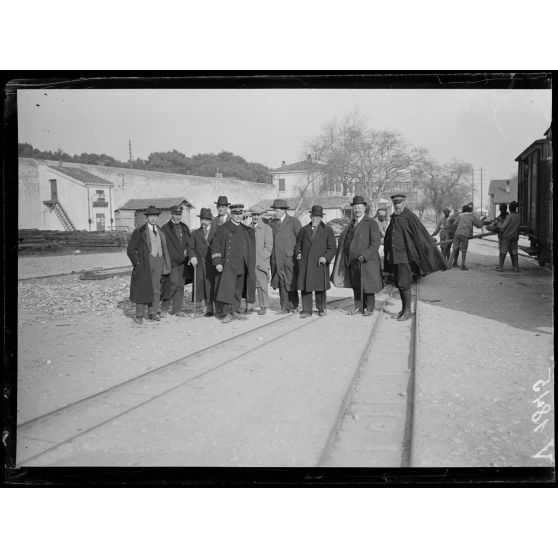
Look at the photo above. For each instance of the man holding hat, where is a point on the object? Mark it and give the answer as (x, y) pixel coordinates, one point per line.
(314, 251)
(408, 250)
(357, 262)
(283, 271)
(199, 254)
(233, 252)
(149, 255)
(264, 247)
(177, 235)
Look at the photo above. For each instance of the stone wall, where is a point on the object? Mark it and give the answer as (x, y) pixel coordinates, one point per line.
(200, 191)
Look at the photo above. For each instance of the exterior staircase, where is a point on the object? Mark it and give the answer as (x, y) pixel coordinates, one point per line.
(55, 206)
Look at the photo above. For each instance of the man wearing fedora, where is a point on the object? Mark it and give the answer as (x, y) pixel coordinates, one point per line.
(177, 235)
(149, 255)
(223, 216)
(233, 252)
(199, 254)
(408, 251)
(314, 251)
(264, 247)
(357, 261)
(283, 271)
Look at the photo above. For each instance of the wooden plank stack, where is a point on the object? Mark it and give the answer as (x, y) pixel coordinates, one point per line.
(37, 239)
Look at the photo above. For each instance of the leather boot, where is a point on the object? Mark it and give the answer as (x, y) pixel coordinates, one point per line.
(406, 313)
(403, 304)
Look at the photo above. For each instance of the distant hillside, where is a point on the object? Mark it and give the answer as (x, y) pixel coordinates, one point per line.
(224, 164)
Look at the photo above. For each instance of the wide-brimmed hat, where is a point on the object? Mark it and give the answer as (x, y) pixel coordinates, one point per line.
(222, 200)
(176, 209)
(279, 204)
(317, 210)
(398, 197)
(152, 210)
(359, 199)
(237, 208)
(205, 213)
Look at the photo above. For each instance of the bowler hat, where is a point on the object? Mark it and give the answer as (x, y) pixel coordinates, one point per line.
(358, 199)
(152, 210)
(398, 197)
(237, 208)
(317, 210)
(222, 200)
(176, 209)
(279, 204)
(205, 213)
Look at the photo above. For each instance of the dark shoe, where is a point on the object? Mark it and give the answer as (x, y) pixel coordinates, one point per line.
(368, 312)
(138, 320)
(293, 311)
(354, 311)
(238, 316)
(262, 311)
(516, 269)
(305, 315)
(405, 316)
(321, 312)
(155, 317)
(208, 314)
(464, 268)
(227, 319)
(499, 268)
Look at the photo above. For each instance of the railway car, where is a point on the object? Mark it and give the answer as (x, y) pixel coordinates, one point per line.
(535, 197)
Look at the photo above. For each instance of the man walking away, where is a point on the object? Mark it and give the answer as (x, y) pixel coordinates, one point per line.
(409, 251)
(283, 271)
(510, 237)
(177, 235)
(314, 250)
(149, 255)
(442, 228)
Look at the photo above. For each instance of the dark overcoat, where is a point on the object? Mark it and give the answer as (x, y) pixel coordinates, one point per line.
(223, 252)
(177, 248)
(408, 241)
(311, 275)
(199, 247)
(139, 248)
(363, 240)
(283, 260)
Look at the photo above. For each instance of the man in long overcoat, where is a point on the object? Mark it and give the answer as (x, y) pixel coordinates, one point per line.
(177, 235)
(199, 254)
(357, 260)
(408, 251)
(149, 255)
(233, 252)
(314, 250)
(264, 247)
(223, 216)
(283, 271)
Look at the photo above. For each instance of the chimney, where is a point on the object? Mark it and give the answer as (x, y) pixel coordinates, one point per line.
(282, 163)
(309, 158)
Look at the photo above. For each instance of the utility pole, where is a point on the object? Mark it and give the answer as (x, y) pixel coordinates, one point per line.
(473, 185)
(130, 149)
(481, 206)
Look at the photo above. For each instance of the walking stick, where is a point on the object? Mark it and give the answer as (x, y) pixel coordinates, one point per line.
(361, 289)
(195, 282)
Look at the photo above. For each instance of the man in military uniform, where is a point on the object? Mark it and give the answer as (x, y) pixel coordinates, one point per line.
(233, 252)
(177, 235)
(408, 250)
(283, 271)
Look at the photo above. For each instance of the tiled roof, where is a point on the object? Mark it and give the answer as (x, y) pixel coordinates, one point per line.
(159, 203)
(83, 176)
(301, 166)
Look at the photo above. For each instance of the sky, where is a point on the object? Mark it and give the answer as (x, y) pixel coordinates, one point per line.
(487, 128)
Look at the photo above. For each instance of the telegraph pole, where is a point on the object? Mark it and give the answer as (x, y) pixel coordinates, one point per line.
(473, 185)
(481, 206)
(130, 149)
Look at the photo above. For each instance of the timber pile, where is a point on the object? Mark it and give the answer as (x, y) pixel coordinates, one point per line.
(40, 240)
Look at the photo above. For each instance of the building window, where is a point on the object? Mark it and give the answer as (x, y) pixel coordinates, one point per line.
(281, 185)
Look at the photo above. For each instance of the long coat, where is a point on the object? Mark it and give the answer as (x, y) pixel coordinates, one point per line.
(264, 247)
(311, 275)
(362, 240)
(285, 235)
(177, 248)
(408, 241)
(200, 248)
(223, 252)
(139, 249)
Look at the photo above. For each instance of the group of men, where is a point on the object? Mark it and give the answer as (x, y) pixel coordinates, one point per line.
(228, 260)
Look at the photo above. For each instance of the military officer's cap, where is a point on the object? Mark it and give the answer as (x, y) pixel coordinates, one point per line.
(237, 208)
(398, 197)
(177, 209)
